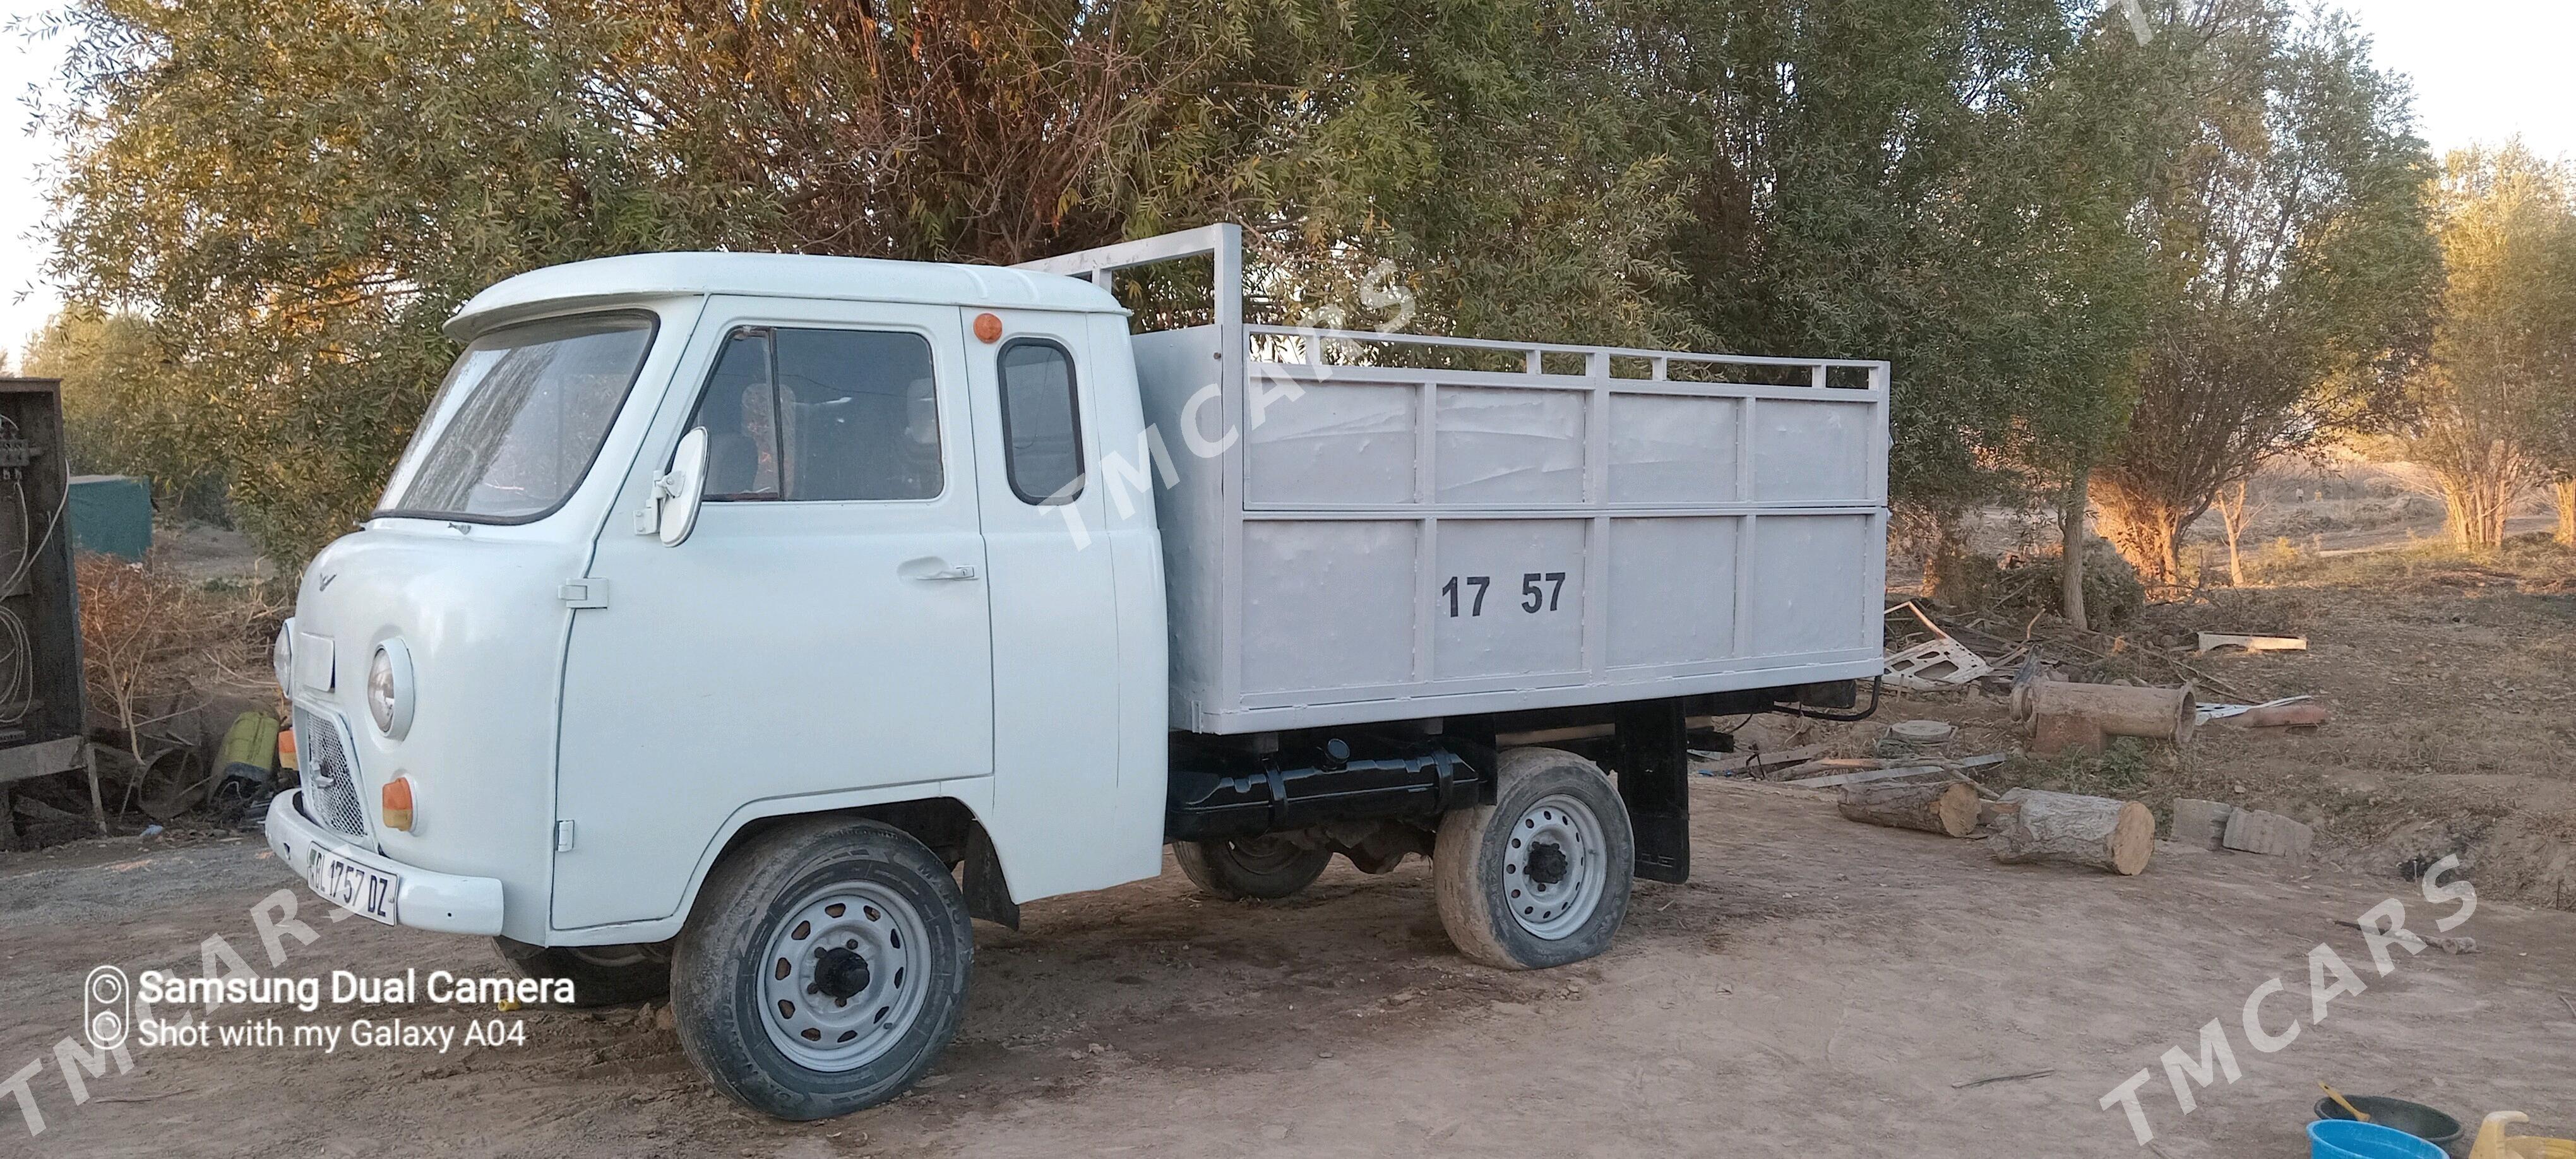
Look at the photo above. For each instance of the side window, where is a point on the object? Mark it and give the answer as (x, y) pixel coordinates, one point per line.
(821, 415)
(740, 413)
(1040, 426)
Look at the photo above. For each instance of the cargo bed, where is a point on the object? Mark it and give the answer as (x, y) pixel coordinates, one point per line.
(1364, 526)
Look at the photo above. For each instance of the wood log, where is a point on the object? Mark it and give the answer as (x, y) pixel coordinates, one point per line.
(2120, 710)
(2097, 831)
(1949, 809)
(2307, 714)
(2211, 641)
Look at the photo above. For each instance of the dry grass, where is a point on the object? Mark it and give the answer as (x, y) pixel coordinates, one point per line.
(156, 646)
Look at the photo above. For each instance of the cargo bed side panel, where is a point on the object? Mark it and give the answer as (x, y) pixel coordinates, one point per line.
(1352, 543)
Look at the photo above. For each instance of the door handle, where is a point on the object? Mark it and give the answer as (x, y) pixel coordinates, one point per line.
(922, 569)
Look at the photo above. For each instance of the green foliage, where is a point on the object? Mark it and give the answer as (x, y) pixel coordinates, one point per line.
(1993, 194)
(2494, 409)
(1944, 188)
(2293, 270)
(296, 193)
(118, 420)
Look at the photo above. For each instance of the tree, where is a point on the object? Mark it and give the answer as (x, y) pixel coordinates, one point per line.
(2288, 227)
(118, 419)
(2235, 511)
(296, 194)
(1942, 187)
(2490, 406)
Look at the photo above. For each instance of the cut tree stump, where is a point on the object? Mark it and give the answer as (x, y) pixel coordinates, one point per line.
(1949, 809)
(2097, 831)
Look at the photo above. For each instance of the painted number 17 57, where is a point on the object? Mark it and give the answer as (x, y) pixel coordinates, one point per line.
(1541, 591)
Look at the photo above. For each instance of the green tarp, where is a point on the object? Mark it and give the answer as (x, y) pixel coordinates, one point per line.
(112, 515)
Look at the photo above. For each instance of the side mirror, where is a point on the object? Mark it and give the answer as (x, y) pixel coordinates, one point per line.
(672, 507)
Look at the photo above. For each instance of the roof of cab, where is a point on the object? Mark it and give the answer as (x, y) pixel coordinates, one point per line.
(604, 280)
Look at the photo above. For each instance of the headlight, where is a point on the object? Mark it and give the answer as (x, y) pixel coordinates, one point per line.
(389, 689)
(281, 657)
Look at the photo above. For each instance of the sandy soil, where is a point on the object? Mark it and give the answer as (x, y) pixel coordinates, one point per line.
(2451, 681)
(1820, 989)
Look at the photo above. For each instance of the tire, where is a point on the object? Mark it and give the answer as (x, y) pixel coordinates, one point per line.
(1268, 867)
(791, 931)
(601, 975)
(1557, 817)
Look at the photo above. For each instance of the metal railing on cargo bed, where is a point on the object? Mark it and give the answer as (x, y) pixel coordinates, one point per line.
(1368, 526)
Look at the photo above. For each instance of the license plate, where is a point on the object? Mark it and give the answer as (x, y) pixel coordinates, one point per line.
(353, 887)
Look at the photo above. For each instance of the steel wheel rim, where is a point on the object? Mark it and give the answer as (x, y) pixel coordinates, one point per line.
(808, 1020)
(1553, 909)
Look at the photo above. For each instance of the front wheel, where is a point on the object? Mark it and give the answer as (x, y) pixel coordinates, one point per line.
(823, 969)
(1540, 878)
(1268, 867)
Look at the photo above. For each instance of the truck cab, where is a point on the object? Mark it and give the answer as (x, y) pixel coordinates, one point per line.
(740, 625)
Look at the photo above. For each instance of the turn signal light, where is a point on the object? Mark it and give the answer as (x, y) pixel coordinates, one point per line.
(397, 796)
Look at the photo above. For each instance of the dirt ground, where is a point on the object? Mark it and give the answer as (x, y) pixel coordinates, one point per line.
(1820, 988)
(2451, 681)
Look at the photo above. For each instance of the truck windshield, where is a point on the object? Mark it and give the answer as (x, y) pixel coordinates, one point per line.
(519, 419)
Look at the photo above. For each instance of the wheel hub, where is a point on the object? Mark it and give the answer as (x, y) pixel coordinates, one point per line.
(840, 973)
(1548, 863)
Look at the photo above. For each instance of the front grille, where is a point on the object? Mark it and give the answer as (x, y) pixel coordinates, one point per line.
(328, 774)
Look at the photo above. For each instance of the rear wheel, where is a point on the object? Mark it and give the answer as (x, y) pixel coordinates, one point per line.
(1541, 877)
(601, 975)
(1269, 867)
(824, 968)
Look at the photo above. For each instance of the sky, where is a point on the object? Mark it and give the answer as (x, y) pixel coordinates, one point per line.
(2483, 70)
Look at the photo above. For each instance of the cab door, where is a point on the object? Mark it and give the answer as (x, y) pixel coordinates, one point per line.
(823, 628)
(1056, 816)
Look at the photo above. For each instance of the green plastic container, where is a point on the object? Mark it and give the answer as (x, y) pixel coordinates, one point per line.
(111, 515)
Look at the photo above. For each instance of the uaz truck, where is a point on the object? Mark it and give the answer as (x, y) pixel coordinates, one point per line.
(739, 626)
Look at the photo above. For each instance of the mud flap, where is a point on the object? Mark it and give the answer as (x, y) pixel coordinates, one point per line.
(1654, 779)
(987, 895)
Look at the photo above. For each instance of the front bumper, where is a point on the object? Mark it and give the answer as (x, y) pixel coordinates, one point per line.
(427, 900)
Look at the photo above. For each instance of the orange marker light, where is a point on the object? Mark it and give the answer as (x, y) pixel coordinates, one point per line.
(397, 796)
(988, 327)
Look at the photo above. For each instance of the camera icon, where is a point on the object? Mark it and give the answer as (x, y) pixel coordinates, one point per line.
(107, 1007)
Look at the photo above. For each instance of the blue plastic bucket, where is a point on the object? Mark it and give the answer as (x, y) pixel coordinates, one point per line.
(2337, 1139)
